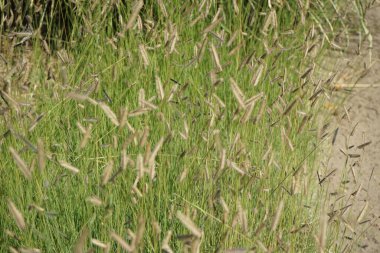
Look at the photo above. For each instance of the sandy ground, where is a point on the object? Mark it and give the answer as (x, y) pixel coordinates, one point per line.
(355, 155)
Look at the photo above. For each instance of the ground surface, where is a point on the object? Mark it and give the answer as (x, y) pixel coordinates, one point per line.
(355, 156)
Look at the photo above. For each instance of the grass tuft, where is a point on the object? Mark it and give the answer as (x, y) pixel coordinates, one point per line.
(161, 125)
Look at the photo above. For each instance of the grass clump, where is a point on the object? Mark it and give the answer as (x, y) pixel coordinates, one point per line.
(165, 126)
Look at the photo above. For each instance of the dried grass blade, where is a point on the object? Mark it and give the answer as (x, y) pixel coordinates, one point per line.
(362, 213)
(364, 145)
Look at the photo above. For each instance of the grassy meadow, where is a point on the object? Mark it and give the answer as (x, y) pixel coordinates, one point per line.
(163, 126)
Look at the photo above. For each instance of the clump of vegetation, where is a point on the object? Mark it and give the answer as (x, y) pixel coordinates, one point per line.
(162, 126)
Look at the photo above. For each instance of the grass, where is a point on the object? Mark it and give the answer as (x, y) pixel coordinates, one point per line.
(223, 178)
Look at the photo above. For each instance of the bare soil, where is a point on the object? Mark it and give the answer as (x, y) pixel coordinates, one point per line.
(354, 159)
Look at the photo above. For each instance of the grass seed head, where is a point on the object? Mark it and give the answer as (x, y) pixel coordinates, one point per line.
(86, 137)
(13, 250)
(36, 207)
(144, 55)
(109, 113)
(135, 12)
(165, 243)
(162, 8)
(95, 200)
(189, 224)
(216, 57)
(29, 250)
(68, 166)
(138, 239)
(159, 88)
(107, 172)
(17, 215)
(256, 78)
(123, 244)
(277, 217)
(99, 243)
(80, 243)
(21, 163)
(238, 93)
(41, 155)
